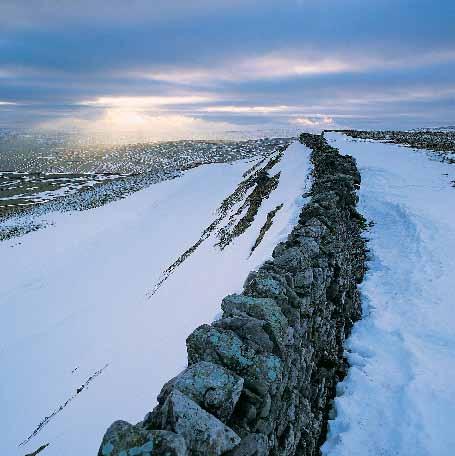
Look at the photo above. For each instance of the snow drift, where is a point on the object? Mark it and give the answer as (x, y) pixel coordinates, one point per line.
(86, 337)
(399, 396)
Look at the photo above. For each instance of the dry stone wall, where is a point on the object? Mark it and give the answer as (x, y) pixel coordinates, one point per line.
(261, 379)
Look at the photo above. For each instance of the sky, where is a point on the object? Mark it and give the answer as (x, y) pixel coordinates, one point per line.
(179, 68)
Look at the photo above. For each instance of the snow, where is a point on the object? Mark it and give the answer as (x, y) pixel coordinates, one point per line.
(399, 395)
(74, 302)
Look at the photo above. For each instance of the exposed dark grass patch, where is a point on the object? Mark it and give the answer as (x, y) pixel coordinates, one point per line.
(252, 177)
(268, 223)
(253, 168)
(265, 184)
(41, 448)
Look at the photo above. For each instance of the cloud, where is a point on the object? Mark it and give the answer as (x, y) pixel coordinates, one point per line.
(118, 123)
(147, 36)
(232, 61)
(284, 64)
(252, 68)
(316, 121)
(5, 73)
(145, 102)
(23, 13)
(246, 109)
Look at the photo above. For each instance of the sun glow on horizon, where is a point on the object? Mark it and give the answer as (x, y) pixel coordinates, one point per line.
(145, 102)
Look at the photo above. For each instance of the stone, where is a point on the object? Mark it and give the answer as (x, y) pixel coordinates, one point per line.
(221, 346)
(314, 228)
(268, 284)
(261, 308)
(291, 260)
(211, 386)
(124, 439)
(260, 371)
(304, 279)
(251, 445)
(265, 374)
(252, 331)
(266, 406)
(204, 434)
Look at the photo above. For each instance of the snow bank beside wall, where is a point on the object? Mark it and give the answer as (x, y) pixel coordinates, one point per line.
(399, 395)
(259, 380)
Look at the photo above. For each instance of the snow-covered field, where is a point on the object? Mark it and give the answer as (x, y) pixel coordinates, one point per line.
(399, 395)
(82, 340)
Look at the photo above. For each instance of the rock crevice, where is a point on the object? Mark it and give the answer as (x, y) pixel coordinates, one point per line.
(261, 379)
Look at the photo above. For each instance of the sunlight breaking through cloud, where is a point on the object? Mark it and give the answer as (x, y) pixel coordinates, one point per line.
(316, 121)
(146, 102)
(240, 62)
(139, 126)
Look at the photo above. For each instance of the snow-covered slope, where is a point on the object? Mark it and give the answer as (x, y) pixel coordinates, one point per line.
(399, 395)
(84, 340)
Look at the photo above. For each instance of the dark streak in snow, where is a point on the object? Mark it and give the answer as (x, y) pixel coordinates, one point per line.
(47, 419)
(41, 448)
(253, 177)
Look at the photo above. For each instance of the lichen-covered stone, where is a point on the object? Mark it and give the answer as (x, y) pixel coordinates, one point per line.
(259, 370)
(203, 433)
(251, 445)
(252, 332)
(261, 308)
(211, 386)
(267, 284)
(304, 279)
(291, 259)
(264, 374)
(221, 346)
(124, 439)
